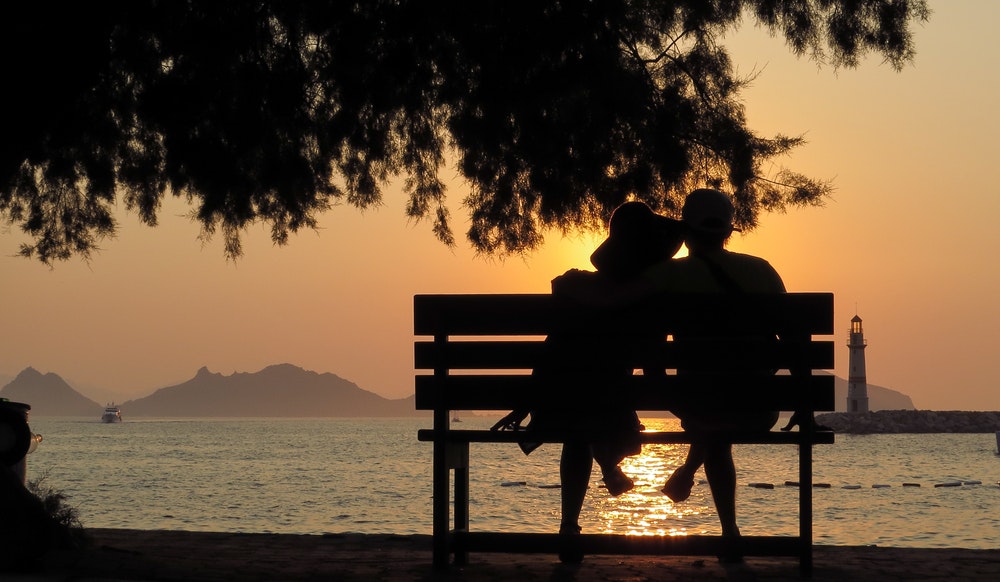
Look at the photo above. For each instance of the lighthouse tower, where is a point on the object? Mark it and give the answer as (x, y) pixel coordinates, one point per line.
(857, 384)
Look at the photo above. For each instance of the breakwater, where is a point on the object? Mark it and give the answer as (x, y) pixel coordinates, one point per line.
(911, 421)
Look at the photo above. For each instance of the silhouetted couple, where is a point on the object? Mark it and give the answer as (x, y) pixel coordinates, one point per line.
(634, 264)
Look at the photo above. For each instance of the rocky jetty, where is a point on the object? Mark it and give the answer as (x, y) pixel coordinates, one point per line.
(911, 421)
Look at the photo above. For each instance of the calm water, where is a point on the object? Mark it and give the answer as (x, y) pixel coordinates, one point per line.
(372, 476)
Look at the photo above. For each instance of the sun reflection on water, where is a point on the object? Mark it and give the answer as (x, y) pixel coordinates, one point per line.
(645, 510)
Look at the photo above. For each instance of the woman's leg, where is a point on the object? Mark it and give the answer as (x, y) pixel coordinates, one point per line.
(575, 465)
(608, 456)
(679, 484)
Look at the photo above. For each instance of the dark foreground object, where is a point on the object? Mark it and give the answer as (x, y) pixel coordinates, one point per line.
(157, 556)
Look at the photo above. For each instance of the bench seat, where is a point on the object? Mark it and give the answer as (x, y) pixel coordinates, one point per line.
(647, 437)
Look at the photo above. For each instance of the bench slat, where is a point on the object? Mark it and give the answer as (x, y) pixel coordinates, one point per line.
(539, 314)
(505, 392)
(692, 354)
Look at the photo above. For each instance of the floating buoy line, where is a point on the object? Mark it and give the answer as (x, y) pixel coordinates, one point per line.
(855, 486)
(763, 485)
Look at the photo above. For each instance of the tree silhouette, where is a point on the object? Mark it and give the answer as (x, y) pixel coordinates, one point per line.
(554, 112)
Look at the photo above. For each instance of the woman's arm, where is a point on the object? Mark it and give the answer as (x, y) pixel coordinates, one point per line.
(591, 288)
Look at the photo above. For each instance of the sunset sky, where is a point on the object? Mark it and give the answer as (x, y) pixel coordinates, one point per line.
(907, 242)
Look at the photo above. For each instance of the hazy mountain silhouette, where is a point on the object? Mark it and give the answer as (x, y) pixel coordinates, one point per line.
(879, 398)
(279, 390)
(49, 395)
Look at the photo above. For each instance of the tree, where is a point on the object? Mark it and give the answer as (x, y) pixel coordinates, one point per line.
(554, 111)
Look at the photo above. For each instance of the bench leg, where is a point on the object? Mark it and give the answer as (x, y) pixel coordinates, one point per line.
(805, 510)
(440, 501)
(449, 457)
(459, 461)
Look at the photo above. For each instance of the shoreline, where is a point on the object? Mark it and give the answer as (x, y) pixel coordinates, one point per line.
(174, 556)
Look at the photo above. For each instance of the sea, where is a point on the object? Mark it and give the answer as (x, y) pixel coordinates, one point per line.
(371, 475)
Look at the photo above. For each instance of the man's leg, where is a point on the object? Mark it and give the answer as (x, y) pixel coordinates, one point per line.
(721, 473)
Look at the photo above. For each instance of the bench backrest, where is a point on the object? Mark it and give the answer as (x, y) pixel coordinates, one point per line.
(715, 351)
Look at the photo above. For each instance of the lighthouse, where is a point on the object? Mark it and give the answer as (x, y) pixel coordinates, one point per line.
(857, 384)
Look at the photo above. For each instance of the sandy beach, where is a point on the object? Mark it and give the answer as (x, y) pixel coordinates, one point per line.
(175, 556)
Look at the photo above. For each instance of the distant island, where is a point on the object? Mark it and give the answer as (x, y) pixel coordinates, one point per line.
(281, 390)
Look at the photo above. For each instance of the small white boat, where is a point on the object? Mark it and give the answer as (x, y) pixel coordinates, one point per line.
(112, 413)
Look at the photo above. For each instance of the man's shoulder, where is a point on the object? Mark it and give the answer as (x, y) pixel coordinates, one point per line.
(743, 258)
(754, 273)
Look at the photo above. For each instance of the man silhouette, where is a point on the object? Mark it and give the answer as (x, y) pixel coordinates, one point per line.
(710, 268)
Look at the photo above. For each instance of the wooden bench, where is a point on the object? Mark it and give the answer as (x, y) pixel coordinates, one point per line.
(477, 353)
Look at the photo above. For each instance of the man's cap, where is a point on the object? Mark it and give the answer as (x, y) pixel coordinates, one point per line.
(708, 211)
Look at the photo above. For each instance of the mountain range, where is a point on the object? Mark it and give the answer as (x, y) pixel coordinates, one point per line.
(281, 390)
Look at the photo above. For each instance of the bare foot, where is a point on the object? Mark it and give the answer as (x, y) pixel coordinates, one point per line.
(618, 482)
(678, 486)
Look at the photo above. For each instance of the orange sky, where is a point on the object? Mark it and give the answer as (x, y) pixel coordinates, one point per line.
(906, 242)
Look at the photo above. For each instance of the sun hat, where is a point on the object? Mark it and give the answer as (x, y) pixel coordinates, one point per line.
(707, 211)
(637, 238)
